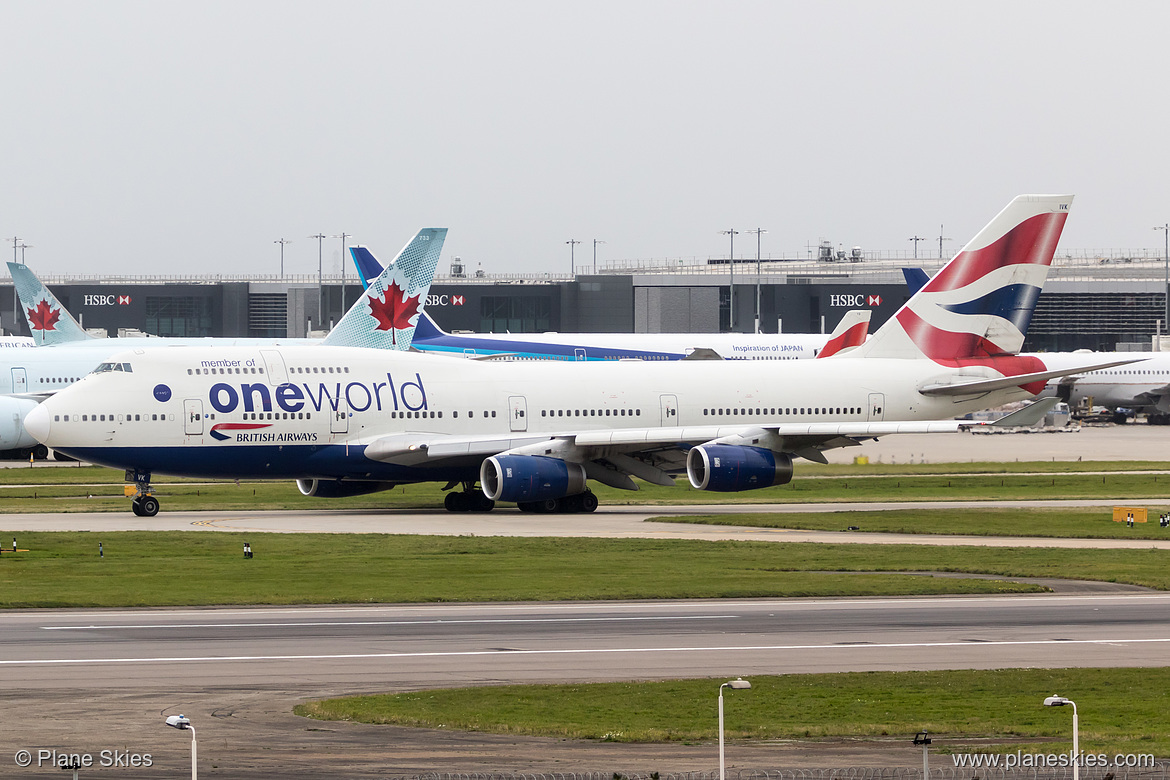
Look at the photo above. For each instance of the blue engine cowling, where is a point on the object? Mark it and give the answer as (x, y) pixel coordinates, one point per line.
(335, 488)
(530, 478)
(727, 469)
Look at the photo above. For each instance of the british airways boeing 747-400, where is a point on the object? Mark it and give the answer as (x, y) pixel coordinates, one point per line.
(345, 420)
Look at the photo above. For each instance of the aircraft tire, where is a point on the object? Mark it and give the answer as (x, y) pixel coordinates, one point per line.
(136, 507)
(549, 505)
(588, 502)
(455, 502)
(526, 506)
(480, 503)
(149, 506)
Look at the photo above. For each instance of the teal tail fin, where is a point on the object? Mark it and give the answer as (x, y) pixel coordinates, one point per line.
(48, 320)
(386, 314)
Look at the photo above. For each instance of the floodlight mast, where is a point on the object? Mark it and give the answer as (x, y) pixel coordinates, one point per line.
(1060, 701)
(738, 683)
(182, 723)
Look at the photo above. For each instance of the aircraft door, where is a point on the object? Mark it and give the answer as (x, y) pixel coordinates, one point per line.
(192, 417)
(877, 404)
(517, 413)
(339, 423)
(579, 353)
(669, 409)
(274, 365)
(19, 380)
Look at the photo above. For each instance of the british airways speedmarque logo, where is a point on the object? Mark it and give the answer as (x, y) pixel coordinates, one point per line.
(217, 430)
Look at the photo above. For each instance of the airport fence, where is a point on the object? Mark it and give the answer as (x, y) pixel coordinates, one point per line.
(1160, 771)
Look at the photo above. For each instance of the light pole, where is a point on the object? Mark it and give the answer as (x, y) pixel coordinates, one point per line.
(572, 242)
(282, 242)
(596, 241)
(1166, 279)
(343, 236)
(320, 282)
(15, 300)
(738, 683)
(1060, 701)
(922, 739)
(731, 264)
(941, 239)
(916, 239)
(183, 724)
(759, 232)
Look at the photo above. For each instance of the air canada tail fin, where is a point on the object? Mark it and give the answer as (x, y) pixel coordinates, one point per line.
(368, 267)
(48, 320)
(976, 310)
(385, 316)
(849, 334)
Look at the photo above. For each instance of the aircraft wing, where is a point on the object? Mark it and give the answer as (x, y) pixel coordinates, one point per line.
(666, 448)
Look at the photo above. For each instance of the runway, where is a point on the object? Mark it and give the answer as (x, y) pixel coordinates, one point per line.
(403, 647)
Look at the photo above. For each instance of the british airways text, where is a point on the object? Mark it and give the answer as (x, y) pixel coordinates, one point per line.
(358, 396)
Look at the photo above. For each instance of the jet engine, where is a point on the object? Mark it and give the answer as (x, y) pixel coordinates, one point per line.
(530, 478)
(336, 488)
(13, 436)
(727, 468)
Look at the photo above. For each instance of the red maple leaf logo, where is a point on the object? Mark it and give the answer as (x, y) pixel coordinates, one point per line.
(394, 311)
(43, 317)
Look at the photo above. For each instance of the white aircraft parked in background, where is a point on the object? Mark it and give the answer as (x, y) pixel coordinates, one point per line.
(346, 421)
(429, 337)
(28, 376)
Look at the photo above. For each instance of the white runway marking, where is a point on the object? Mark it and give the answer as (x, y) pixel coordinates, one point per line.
(436, 622)
(598, 651)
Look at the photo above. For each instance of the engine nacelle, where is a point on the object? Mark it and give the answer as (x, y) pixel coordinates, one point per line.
(530, 478)
(727, 468)
(336, 488)
(12, 433)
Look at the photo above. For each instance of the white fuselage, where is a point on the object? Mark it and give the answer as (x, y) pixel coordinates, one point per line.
(310, 411)
(1144, 385)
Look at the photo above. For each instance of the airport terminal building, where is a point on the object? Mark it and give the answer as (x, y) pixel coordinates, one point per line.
(1093, 300)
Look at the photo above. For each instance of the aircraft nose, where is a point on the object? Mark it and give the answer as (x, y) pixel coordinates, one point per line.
(36, 423)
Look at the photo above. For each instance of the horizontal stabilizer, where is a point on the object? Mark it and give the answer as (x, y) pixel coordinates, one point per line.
(987, 385)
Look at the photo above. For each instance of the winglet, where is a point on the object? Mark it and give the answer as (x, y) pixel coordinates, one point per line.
(384, 317)
(48, 320)
(849, 334)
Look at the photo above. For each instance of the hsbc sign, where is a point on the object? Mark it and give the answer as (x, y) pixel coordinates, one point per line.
(105, 300)
(855, 301)
(444, 300)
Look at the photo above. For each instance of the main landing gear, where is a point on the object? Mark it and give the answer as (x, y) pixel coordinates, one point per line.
(143, 504)
(468, 500)
(582, 502)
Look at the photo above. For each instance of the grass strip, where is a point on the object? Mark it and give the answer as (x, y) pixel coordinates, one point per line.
(138, 569)
(1121, 710)
(1074, 523)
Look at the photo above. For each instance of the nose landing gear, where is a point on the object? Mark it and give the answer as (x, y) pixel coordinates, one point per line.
(143, 504)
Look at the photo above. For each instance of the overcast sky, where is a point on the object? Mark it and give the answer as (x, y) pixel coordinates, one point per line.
(167, 137)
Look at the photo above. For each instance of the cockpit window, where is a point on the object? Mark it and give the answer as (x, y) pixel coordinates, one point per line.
(104, 367)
